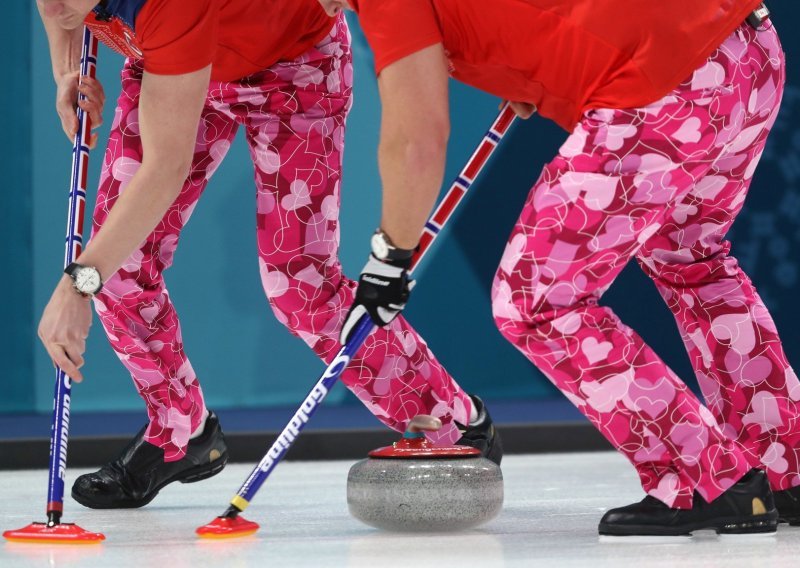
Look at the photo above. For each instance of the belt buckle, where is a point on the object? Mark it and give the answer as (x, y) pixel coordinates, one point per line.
(758, 16)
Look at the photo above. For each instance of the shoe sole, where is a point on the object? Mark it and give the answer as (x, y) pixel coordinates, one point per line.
(731, 526)
(200, 473)
(191, 475)
(793, 521)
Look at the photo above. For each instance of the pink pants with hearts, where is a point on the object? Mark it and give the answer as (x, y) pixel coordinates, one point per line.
(663, 184)
(294, 119)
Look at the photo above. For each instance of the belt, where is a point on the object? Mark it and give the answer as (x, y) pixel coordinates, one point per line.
(758, 17)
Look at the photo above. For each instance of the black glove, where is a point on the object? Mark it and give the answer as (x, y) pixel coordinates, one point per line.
(383, 290)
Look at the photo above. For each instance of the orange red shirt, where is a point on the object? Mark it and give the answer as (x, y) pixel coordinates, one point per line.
(237, 37)
(564, 56)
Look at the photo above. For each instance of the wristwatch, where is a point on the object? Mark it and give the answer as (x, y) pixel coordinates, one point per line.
(85, 279)
(384, 249)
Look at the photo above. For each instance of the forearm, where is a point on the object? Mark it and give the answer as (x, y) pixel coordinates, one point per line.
(135, 214)
(169, 113)
(65, 46)
(415, 125)
(412, 169)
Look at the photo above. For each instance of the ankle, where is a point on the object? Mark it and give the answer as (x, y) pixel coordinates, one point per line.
(475, 413)
(199, 430)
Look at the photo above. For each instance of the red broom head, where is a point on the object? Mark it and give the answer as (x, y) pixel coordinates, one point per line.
(64, 533)
(227, 527)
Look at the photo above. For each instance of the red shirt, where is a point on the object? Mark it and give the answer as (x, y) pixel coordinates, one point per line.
(564, 56)
(237, 37)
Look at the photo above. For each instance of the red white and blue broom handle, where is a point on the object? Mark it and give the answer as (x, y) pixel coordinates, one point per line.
(463, 182)
(365, 326)
(59, 433)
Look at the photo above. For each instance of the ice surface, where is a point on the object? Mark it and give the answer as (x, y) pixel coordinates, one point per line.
(553, 505)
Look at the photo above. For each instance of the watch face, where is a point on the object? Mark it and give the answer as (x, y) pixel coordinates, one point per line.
(380, 247)
(87, 280)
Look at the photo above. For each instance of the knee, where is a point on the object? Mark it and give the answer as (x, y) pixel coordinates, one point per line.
(307, 301)
(537, 309)
(283, 299)
(681, 269)
(505, 312)
(515, 310)
(121, 289)
(125, 308)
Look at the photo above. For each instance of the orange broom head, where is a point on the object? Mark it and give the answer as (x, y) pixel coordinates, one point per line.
(64, 533)
(227, 527)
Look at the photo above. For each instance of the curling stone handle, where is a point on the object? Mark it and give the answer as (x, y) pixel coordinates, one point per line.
(424, 423)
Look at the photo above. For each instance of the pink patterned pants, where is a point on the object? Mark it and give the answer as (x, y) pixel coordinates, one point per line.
(294, 119)
(663, 184)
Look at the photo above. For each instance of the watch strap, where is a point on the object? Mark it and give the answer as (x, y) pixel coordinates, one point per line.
(72, 268)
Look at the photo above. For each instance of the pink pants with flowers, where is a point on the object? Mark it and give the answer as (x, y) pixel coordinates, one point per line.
(294, 119)
(663, 184)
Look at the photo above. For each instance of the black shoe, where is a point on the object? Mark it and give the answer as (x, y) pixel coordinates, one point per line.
(482, 435)
(139, 473)
(746, 508)
(788, 504)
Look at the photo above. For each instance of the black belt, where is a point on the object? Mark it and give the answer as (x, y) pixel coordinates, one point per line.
(758, 17)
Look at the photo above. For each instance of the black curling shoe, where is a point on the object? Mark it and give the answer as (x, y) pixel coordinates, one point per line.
(482, 435)
(788, 504)
(748, 507)
(139, 473)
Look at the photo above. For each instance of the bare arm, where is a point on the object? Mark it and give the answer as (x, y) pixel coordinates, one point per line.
(169, 112)
(413, 144)
(65, 45)
(65, 58)
(415, 126)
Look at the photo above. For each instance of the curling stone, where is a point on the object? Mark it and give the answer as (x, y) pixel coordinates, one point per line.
(415, 486)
